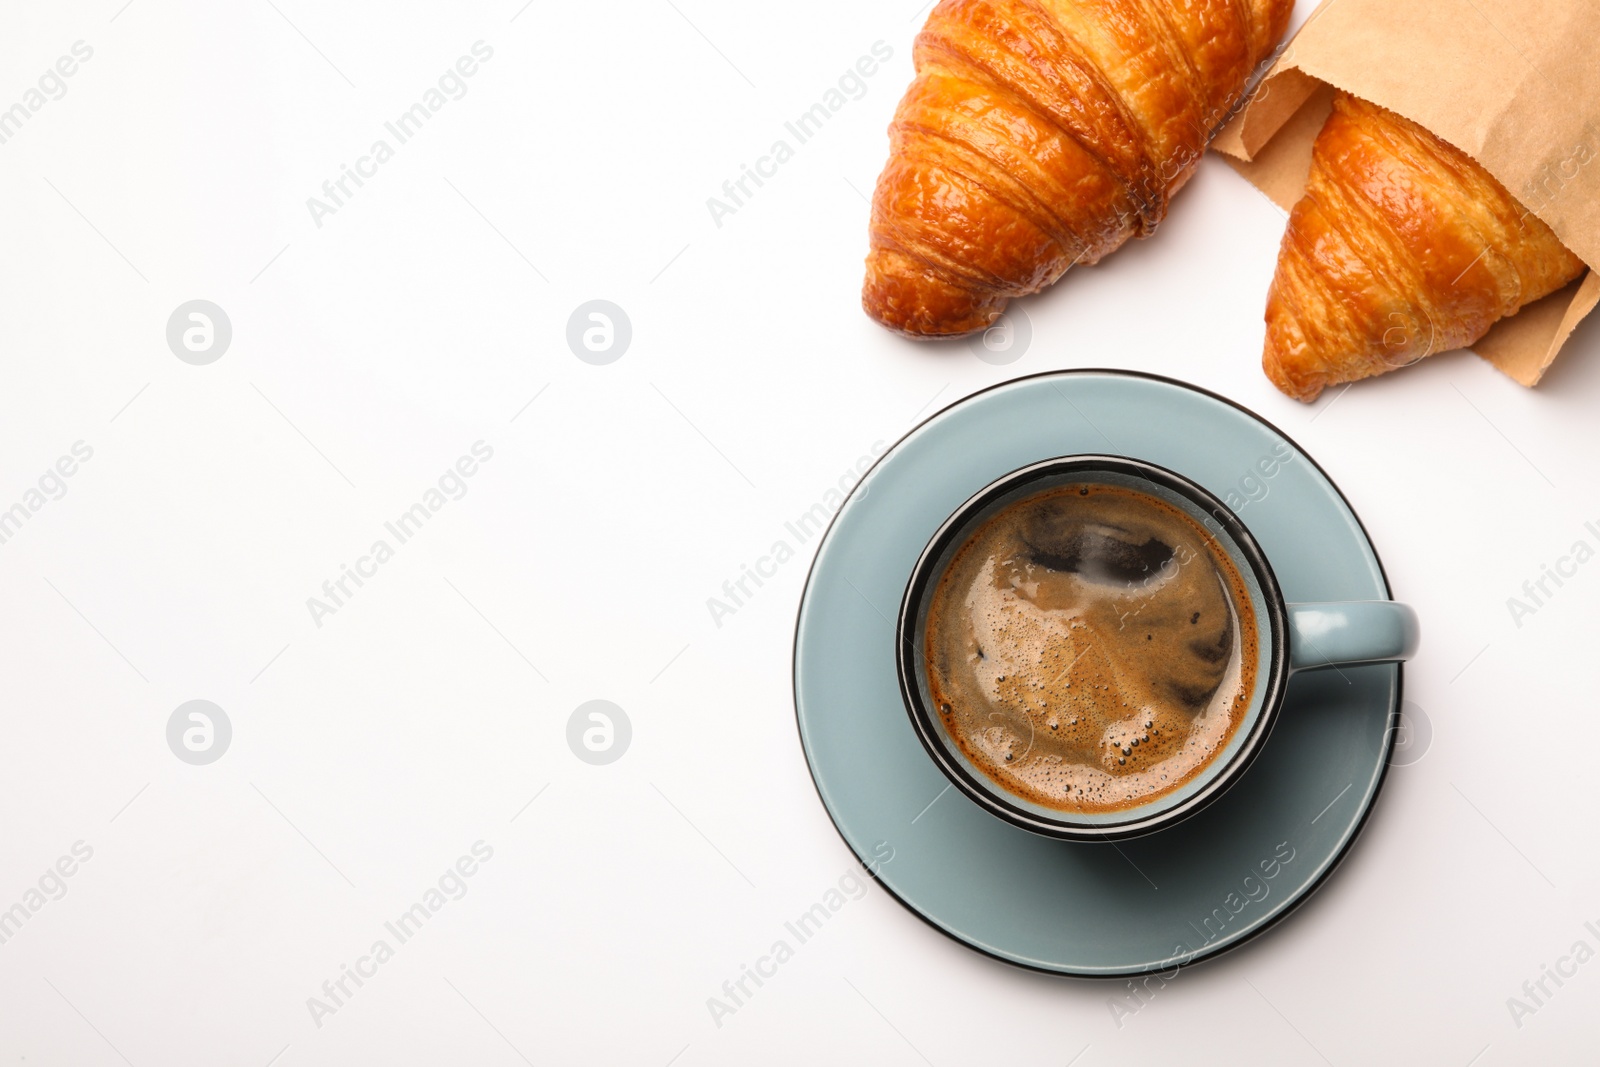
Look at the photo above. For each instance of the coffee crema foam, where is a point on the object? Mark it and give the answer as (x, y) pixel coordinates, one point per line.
(1091, 648)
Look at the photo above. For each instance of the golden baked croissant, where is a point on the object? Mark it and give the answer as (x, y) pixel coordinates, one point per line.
(1402, 246)
(1042, 133)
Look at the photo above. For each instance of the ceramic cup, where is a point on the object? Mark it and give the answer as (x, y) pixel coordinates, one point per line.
(1290, 638)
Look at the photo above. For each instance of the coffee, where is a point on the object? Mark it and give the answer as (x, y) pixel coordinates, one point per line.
(1090, 647)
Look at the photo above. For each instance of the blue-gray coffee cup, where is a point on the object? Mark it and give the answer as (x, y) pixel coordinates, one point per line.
(1289, 638)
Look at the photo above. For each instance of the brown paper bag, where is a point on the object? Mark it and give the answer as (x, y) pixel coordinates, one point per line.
(1513, 83)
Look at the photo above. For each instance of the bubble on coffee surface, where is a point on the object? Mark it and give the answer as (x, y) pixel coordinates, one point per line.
(1090, 648)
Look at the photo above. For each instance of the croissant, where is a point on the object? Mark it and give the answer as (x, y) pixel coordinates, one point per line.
(1043, 133)
(1402, 246)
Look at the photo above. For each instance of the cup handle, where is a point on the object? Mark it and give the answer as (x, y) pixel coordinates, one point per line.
(1351, 632)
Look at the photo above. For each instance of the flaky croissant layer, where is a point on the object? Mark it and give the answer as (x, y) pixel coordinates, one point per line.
(1043, 133)
(1401, 247)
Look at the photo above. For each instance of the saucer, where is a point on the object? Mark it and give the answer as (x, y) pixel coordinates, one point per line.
(1184, 893)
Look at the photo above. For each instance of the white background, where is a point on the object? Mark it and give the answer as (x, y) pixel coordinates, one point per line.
(371, 752)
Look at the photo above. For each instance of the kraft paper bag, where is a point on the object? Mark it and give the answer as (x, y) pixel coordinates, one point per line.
(1515, 84)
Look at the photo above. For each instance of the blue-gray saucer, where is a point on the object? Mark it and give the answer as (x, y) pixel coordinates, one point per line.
(1176, 896)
